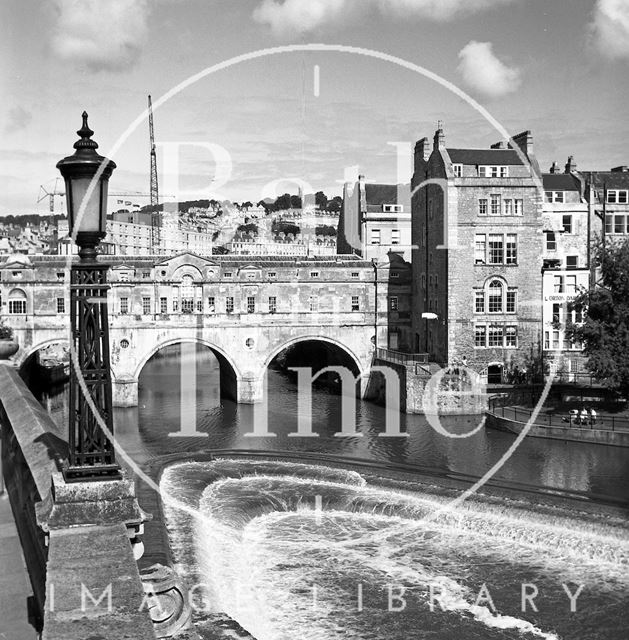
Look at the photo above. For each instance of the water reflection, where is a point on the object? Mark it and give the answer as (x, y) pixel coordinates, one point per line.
(143, 432)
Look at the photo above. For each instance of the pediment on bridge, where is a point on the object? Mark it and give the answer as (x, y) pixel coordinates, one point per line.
(187, 258)
(16, 262)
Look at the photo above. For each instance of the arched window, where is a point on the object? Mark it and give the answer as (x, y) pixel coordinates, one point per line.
(17, 302)
(187, 294)
(494, 297)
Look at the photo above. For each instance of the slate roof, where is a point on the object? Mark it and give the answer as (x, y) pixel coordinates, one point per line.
(613, 179)
(484, 156)
(560, 182)
(379, 194)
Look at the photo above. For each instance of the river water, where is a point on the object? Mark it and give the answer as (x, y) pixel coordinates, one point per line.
(292, 550)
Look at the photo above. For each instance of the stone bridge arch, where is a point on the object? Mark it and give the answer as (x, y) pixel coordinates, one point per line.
(125, 384)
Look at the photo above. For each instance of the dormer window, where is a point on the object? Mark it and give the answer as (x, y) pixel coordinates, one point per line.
(617, 196)
(392, 208)
(554, 196)
(491, 171)
(458, 170)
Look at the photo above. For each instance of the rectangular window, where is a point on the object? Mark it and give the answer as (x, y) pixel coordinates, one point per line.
(504, 172)
(558, 284)
(611, 196)
(609, 223)
(479, 248)
(211, 304)
(511, 249)
(146, 305)
(457, 169)
(61, 305)
(251, 304)
(163, 305)
(482, 207)
(495, 336)
(187, 305)
(480, 336)
(355, 303)
(146, 275)
(566, 222)
(355, 275)
(488, 171)
(571, 284)
(511, 301)
(124, 305)
(395, 236)
(554, 196)
(272, 274)
(551, 241)
(228, 274)
(314, 274)
(393, 303)
(60, 275)
(556, 313)
(572, 262)
(17, 307)
(479, 302)
(496, 248)
(494, 204)
(619, 224)
(623, 197)
(313, 303)
(519, 206)
(229, 304)
(546, 339)
(511, 336)
(272, 304)
(375, 236)
(508, 207)
(555, 340)
(199, 305)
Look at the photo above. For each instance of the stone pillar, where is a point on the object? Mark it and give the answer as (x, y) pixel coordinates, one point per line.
(124, 392)
(250, 389)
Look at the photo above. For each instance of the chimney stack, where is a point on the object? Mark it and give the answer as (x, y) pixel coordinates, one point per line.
(554, 168)
(499, 145)
(439, 139)
(524, 140)
(571, 165)
(422, 150)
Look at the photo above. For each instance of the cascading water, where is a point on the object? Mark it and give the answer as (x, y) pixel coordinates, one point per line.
(293, 550)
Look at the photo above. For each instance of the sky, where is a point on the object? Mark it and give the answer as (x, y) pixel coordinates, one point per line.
(267, 122)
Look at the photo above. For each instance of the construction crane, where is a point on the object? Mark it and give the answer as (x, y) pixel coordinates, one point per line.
(155, 217)
(45, 193)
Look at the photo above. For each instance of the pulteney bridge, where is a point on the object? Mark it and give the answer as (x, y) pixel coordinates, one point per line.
(247, 310)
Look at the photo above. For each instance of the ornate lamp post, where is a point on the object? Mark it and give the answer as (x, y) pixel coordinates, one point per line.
(92, 454)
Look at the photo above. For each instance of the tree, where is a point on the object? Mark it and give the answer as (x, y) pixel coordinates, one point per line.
(321, 200)
(335, 204)
(605, 332)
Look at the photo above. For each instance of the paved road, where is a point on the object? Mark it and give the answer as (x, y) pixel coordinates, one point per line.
(15, 586)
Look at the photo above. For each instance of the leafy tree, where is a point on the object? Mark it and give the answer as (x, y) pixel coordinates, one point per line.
(295, 202)
(248, 228)
(219, 251)
(325, 230)
(605, 332)
(285, 227)
(335, 204)
(321, 200)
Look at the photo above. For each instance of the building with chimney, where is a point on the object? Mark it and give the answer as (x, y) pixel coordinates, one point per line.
(477, 264)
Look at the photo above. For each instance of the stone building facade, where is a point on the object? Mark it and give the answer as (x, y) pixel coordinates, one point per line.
(477, 263)
(375, 220)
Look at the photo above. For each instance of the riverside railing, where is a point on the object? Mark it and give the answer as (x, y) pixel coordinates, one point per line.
(504, 407)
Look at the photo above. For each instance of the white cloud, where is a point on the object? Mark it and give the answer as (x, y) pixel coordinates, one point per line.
(18, 118)
(484, 73)
(610, 28)
(100, 35)
(297, 17)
